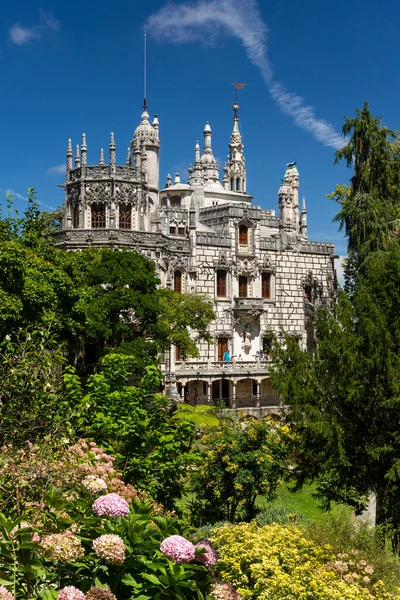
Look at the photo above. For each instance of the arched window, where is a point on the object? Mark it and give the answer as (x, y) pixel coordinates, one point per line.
(125, 217)
(242, 286)
(98, 212)
(238, 186)
(266, 286)
(178, 282)
(75, 217)
(232, 185)
(243, 235)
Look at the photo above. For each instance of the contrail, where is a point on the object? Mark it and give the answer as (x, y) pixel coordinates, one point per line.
(203, 20)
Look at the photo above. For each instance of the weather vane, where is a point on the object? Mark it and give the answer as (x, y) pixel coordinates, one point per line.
(238, 86)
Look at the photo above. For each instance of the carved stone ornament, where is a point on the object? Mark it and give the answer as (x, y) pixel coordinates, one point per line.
(222, 262)
(178, 262)
(246, 266)
(74, 193)
(267, 266)
(126, 193)
(99, 191)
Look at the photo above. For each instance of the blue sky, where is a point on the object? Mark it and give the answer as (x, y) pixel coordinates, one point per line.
(68, 68)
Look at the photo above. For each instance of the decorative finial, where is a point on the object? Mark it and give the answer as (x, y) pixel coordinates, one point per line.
(84, 149)
(77, 157)
(69, 155)
(145, 105)
(169, 183)
(112, 149)
(128, 158)
(101, 161)
(177, 178)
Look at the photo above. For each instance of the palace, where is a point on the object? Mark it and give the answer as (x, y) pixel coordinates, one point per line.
(262, 272)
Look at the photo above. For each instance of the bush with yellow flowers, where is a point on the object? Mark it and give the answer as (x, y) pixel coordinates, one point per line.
(278, 563)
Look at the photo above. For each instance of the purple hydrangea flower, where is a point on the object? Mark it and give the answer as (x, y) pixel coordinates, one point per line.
(111, 505)
(210, 556)
(178, 549)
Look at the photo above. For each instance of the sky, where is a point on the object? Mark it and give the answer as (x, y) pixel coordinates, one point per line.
(69, 68)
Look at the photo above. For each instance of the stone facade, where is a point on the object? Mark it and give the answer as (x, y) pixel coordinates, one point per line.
(260, 269)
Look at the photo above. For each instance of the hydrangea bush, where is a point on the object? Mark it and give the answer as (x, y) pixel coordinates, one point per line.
(88, 544)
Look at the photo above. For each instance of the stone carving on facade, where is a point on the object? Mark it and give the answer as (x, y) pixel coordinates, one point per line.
(178, 262)
(267, 266)
(74, 193)
(222, 262)
(126, 193)
(246, 266)
(99, 191)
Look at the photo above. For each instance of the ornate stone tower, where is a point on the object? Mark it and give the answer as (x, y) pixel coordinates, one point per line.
(145, 147)
(235, 170)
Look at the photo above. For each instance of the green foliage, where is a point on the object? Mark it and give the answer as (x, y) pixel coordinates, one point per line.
(136, 425)
(236, 463)
(344, 398)
(145, 572)
(278, 562)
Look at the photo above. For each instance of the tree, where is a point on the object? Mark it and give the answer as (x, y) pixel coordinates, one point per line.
(345, 398)
(369, 212)
(237, 463)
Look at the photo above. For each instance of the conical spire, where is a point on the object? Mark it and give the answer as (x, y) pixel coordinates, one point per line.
(303, 219)
(77, 157)
(101, 161)
(84, 149)
(128, 157)
(69, 155)
(236, 163)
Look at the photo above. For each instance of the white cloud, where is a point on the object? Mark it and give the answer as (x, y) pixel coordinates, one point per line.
(15, 194)
(57, 169)
(204, 20)
(339, 264)
(21, 34)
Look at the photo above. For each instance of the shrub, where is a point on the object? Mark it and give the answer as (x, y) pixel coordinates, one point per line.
(280, 563)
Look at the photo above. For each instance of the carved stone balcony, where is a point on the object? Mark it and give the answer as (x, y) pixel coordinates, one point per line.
(248, 308)
(217, 369)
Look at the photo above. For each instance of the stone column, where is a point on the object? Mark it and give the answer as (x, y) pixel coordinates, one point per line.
(233, 394)
(258, 394)
(209, 387)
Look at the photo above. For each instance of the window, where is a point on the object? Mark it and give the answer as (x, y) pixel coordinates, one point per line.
(243, 235)
(222, 348)
(178, 353)
(172, 230)
(175, 201)
(266, 286)
(242, 286)
(221, 284)
(98, 213)
(125, 217)
(178, 282)
(181, 231)
(308, 292)
(238, 187)
(75, 217)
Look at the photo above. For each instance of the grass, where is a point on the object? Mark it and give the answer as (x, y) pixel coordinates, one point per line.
(303, 503)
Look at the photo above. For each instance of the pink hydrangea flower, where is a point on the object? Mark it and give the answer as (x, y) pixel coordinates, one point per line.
(70, 592)
(178, 549)
(369, 569)
(366, 579)
(210, 556)
(111, 505)
(111, 548)
(5, 594)
(224, 591)
(65, 547)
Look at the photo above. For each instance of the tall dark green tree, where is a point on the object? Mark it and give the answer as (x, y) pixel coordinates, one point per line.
(345, 397)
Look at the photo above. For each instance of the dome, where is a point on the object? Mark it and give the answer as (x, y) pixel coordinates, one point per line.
(145, 133)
